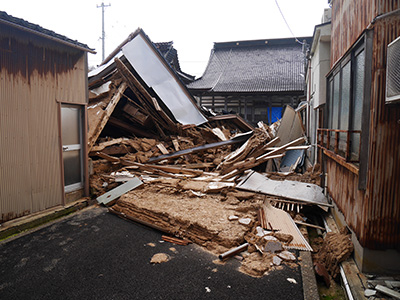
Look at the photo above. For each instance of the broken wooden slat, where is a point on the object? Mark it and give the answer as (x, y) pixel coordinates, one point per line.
(162, 148)
(387, 291)
(119, 191)
(108, 157)
(108, 111)
(199, 149)
(176, 145)
(135, 114)
(266, 147)
(175, 240)
(103, 145)
(309, 225)
(261, 218)
(249, 166)
(154, 168)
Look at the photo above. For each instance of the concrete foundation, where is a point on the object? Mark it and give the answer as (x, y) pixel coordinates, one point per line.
(370, 261)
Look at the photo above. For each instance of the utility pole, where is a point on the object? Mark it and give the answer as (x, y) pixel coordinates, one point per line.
(103, 33)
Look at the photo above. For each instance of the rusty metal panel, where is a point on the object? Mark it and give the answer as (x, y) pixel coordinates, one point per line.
(34, 72)
(373, 214)
(343, 188)
(349, 20)
(383, 180)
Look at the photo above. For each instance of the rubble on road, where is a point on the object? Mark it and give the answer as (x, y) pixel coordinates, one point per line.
(382, 287)
(187, 168)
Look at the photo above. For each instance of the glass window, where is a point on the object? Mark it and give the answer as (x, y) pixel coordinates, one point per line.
(359, 66)
(345, 100)
(344, 106)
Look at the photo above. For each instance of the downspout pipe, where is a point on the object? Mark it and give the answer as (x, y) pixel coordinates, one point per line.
(382, 16)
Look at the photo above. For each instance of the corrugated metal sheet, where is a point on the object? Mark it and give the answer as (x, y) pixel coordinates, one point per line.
(383, 181)
(374, 215)
(34, 73)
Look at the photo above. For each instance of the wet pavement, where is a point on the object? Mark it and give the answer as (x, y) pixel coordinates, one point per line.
(93, 254)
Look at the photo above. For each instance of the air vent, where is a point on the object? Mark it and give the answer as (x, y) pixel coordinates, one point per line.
(393, 72)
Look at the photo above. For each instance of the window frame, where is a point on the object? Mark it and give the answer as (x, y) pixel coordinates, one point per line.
(364, 43)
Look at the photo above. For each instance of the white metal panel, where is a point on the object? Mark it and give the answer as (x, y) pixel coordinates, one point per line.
(157, 76)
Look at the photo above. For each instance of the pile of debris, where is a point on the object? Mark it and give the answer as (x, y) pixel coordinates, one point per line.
(383, 287)
(213, 180)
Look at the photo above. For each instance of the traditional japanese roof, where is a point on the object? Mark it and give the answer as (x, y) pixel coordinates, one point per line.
(38, 30)
(171, 56)
(275, 65)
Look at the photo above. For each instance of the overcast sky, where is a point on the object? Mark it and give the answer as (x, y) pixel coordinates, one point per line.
(193, 26)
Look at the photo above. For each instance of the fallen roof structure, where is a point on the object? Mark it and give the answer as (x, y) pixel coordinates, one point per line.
(183, 168)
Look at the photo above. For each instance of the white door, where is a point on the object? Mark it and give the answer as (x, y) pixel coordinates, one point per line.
(71, 128)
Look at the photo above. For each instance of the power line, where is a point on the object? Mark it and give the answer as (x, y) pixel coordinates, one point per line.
(284, 19)
(103, 33)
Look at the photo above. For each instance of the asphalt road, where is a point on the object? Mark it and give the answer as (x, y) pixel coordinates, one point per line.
(96, 255)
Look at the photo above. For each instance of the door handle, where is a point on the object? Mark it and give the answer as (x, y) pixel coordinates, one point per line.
(65, 148)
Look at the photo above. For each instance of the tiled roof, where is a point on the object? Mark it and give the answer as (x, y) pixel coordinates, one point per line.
(254, 66)
(171, 56)
(6, 18)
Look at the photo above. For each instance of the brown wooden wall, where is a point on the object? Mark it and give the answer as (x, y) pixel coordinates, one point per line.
(35, 73)
(374, 215)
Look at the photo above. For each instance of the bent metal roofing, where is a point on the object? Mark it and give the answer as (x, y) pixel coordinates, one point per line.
(254, 66)
(36, 29)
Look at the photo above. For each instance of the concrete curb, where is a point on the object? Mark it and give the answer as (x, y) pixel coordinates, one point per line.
(310, 289)
(19, 225)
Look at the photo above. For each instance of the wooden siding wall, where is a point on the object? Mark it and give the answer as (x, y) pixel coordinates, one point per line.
(374, 215)
(35, 73)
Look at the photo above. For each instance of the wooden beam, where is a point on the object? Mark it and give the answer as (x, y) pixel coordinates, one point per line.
(121, 124)
(341, 161)
(142, 95)
(108, 157)
(108, 111)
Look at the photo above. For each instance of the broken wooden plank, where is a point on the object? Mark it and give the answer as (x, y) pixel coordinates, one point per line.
(104, 119)
(106, 144)
(165, 170)
(176, 145)
(309, 225)
(134, 113)
(162, 148)
(235, 140)
(119, 191)
(192, 166)
(175, 240)
(385, 290)
(235, 172)
(108, 157)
